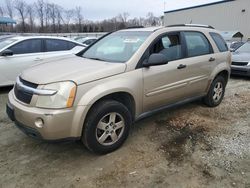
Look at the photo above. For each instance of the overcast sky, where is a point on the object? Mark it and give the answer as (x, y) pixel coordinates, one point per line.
(102, 9)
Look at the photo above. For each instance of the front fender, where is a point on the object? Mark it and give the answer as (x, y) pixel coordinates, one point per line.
(130, 82)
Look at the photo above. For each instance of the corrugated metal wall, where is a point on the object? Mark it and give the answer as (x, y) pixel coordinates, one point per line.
(229, 16)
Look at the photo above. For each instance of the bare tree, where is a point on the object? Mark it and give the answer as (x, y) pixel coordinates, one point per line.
(79, 17)
(31, 16)
(152, 20)
(40, 12)
(21, 8)
(68, 14)
(1, 11)
(47, 7)
(59, 18)
(53, 11)
(9, 8)
(123, 17)
(53, 18)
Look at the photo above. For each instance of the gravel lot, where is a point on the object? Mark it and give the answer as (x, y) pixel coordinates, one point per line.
(189, 146)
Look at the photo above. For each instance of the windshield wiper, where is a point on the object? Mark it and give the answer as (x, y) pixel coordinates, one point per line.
(94, 58)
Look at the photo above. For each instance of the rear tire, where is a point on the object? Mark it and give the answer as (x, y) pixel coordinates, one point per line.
(216, 92)
(106, 127)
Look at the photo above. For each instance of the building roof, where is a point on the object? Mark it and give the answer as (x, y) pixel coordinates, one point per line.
(204, 5)
(6, 20)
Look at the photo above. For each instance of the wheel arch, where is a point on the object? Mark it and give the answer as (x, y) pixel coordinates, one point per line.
(123, 97)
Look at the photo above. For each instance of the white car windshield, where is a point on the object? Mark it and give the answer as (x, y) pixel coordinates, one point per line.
(6, 42)
(244, 48)
(117, 47)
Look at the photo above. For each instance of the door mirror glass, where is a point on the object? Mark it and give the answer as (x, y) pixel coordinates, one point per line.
(7, 53)
(156, 60)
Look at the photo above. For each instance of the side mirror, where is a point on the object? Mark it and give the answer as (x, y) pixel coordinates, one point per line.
(156, 60)
(7, 53)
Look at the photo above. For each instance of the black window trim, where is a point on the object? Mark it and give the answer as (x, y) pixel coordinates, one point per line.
(183, 43)
(45, 46)
(212, 33)
(146, 53)
(211, 50)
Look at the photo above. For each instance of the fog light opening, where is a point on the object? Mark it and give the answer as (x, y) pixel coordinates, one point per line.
(39, 123)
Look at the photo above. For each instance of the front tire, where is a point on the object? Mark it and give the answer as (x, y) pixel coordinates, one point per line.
(216, 92)
(106, 127)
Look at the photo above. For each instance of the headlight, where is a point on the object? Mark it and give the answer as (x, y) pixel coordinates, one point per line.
(64, 97)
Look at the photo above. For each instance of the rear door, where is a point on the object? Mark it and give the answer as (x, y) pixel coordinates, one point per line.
(57, 47)
(25, 54)
(199, 61)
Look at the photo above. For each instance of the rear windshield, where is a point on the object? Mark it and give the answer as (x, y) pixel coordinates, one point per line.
(117, 47)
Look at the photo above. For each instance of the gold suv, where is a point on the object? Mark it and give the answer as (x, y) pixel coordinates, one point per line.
(96, 95)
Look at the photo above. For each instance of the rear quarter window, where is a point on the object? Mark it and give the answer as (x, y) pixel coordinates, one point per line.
(220, 42)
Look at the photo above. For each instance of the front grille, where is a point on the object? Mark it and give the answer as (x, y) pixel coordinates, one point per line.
(240, 72)
(23, 96)
(240, 63)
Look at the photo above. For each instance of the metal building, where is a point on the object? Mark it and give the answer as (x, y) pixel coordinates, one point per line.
(228, 15)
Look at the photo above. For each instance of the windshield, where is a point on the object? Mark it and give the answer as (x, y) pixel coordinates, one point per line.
(117, 47)
(244, 48)
(6, 42)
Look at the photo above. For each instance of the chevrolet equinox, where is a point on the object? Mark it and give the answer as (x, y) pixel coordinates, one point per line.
(96, 95)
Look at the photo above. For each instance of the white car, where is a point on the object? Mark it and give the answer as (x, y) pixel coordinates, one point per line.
(86, 41)
(18, 53)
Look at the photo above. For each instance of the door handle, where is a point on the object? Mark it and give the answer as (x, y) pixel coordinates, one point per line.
(38, 59)
(181, 66)
(212, 59)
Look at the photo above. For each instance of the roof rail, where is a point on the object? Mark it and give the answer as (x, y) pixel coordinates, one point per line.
(191, 25)
(135, 27)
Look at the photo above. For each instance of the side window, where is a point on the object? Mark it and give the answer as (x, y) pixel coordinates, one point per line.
(27, 46)
(57, 45)
(168, 45)
(197, 44)
(220, 42)
(71, 45)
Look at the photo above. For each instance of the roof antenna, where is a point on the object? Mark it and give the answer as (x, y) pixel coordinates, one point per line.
(191, 22)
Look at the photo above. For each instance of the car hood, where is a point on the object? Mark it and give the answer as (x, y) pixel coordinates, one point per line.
(241, 57)
(74, 68)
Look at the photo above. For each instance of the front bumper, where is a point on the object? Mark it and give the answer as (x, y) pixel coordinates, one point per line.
(240, 70)
(60, 124)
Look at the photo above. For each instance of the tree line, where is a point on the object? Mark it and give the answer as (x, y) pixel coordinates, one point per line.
(46, 17)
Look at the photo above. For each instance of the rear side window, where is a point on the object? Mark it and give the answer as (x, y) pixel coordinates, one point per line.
(197, 44)
(58, 45)
(27, 46)
(220, 42)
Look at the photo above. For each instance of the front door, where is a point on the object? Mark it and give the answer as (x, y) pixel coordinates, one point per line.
(25, 54)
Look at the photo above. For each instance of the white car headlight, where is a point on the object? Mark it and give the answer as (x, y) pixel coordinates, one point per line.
(64, 97)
